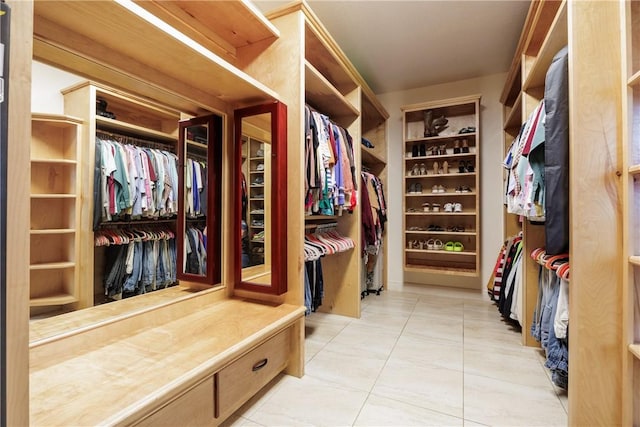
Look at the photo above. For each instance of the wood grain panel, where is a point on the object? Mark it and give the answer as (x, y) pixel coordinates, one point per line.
(595, 297)
(17, 259)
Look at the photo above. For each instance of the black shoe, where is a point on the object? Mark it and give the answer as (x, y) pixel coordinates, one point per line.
(461, 166)
(470, 167)
(423, 150)
(414, 151)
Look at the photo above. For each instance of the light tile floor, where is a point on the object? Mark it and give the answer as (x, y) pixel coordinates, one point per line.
(424, 356)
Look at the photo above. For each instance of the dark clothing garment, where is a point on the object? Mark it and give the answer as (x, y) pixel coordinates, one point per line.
(556, 152)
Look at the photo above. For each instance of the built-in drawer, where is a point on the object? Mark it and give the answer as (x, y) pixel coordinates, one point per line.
(193, 408)
(240, 380)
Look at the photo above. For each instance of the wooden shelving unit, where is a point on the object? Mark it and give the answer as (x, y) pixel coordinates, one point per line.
(431, 186)
(631, 213)
(55, 208)
(600, 391)
(332, 86)
(135, 117)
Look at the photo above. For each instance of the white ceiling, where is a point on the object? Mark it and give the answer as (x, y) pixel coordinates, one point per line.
(399, 45)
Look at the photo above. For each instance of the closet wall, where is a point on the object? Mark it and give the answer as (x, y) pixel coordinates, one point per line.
(490, 88)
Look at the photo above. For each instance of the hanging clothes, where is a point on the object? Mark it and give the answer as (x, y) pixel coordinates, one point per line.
(556, 152)
(138, 261)
(330, 184)
(134, 182)
(194, 252)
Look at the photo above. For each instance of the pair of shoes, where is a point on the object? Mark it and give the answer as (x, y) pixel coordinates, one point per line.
(259, 181)
(438, 189)
(463, 189)
(443, 170)
(456, 228)
(453, 207)
(453, 247)
(418, 150)
(418, 169)
(412, 210)
(257, 211)
(415, 188)
(415, 228)
(468, 129)
(465, 146)
(257, 223)
(434, 244)
(413, 244)
(426, 207)
(456, 146)
(435, 228)
(435, 207)
(465, 166)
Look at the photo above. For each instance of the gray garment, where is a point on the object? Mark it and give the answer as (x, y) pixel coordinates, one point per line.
(556, 152)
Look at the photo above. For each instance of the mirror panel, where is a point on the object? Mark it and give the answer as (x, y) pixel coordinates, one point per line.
(260, 205)
(200, 200)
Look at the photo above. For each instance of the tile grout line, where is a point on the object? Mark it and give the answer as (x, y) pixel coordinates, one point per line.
(369, 393)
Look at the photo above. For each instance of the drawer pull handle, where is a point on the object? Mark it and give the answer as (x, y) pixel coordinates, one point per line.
(261, 364)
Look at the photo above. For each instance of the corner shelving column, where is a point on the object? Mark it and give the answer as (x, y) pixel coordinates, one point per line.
(534, 69)
(442, 189)
(55, 212)
(631, 214)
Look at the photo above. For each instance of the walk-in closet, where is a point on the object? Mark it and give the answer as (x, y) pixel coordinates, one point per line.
(226, 213)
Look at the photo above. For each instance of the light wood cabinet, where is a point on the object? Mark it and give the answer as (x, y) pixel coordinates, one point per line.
(442, 188)
(56, 150)
(196, 405)
(243, 378)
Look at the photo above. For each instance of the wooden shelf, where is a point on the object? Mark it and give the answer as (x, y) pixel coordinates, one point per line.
(80, 35)
(320, 217)
(441, 175)
(447, 233)
(325, 55)
(635, 260)
(195, 144)
(442, 137)
(440, 213)
(514, 119)
(52, 265)
(442, 252)
(441, 156)
(53, 196)
(555, 40)
(220, 26)
(370, 158)
(120, 126)
(58, 299)
(635, 350)
(323, 96)
(449, 194)
(634, 80)
(55, 161)
(54, 231)
(419, 268)
(634, 170)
